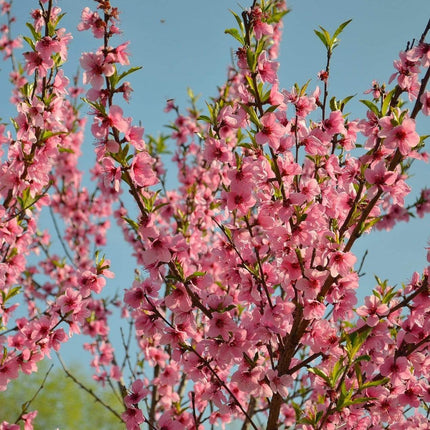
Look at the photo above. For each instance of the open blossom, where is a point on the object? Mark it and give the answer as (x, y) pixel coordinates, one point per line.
(70, 302)
(35, 61)
(241, 199)
(425, 100)
(111, 173)
(141, 171)
(260, 28)
(373, 309)
(137, 393)
(271, 132)
(379, 175)
(157, 252)
(120, 54)
(403, 136)
(267, 68)
(89, 281)
(341, 263)
(92, 20)
(216, 149)
(133, 417)
(396, 368)
(221, 325)
(96, 67)
(117, 120)
(47, 46)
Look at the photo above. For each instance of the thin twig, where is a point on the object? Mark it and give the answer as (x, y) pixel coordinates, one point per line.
(88, 390)
(29, 402)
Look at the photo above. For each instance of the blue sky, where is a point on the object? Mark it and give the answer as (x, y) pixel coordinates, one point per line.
(182, 44)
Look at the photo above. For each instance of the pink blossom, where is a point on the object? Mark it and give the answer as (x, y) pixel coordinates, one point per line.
(60, 83)
(396, 368)
(28, 420)
(134, 135)
(216, 149)
(379, 176)
(92, 20)
(117, 120)
(260, 28)
(47, 46)
(157, 252)
(313, 309)
(221, 325)
(271, 132)
(425, 100)
(247, 379)
(70, 301)
(403, 136)
(121, 55)
(241, 199)
(279, 384)
(96, 69)
(133, 417)
(341, 263)
(141, 171)
(334, 123)
(267, 68)
(137, 393)
(89, 281)
(35, 62)
(111, 173)
(4, 425)
(373, 310)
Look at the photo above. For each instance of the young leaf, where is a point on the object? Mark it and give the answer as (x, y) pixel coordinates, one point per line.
(371, 106)
(323, 38)
(340, 29)
(235, 33)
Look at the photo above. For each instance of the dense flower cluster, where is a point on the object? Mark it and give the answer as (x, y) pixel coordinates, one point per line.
(244, 303)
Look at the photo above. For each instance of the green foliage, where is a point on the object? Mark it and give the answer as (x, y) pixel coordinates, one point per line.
(331, 42)
(61, 403)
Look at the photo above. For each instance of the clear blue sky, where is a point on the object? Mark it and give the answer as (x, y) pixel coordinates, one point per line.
(182, 44)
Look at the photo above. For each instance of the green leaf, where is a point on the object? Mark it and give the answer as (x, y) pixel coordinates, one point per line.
(374, 383)
(358, 400)
(345, 101)
(128, 72)
(371, 106)
(204, 118)
(251, 60)
(195, 275)
(97, 106)
(323, 38)
(333, 104)
(386, 103)
(30, 42)
(4, 355)
(235, 33)
(238, 20)
(354, 341)
(133, 224)
(11, 293)
(59, 18)
(364, 357)
(36, 35)
(340, 28)
(252, 115)
(321, 374)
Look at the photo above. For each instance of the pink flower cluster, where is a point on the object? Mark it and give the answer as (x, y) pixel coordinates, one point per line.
(243, 305)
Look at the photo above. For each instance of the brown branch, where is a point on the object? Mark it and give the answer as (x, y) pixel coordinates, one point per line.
(88, 390)
(29, 402)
